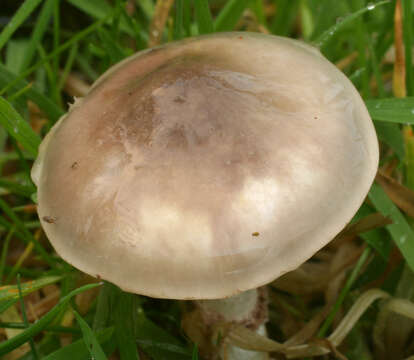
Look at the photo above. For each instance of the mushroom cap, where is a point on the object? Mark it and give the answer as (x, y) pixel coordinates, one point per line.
(206, 167)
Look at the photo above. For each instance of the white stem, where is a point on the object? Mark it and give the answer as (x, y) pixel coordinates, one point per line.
(248, 308)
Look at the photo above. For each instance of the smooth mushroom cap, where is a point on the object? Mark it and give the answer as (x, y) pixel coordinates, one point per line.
(206, 167)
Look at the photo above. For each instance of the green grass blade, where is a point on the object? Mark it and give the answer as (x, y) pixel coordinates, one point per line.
(257, 7)
(16, 54)
(17, 127)
(124, 326)
(51, 328)
(115, 52)
(391, 135)
(400, 231)
(103, 308)
(325, 14)
(68, 66)
(376, 266)
(100, 9)
(86, 67)
(344, 292)
(178, 22)
(409, 159)
(148, 7)
(307, 20)
(78, 349)
(13, 97)
(187, 9)
(16, 188)
(40, 28)
(361, 44)
(396, 110)
(56, 33)
(378, 241)
(52, 111)
(76, 38)
(138, 30)
(284, 19)
(10, 156)
(4, 252)
(119, 7)
(328, 35)
(376, 70)
(195, 353)
(203, 17)
(37, 327)
(21, 15)
(377, 238)
(4, 305)
(90, 339)
(408, 44)
(52, 76)
(159, 350)
(25, 166)
(5, 225)
(26, 235)
(25, 321)
(230, 15)
(157, 342)
(11, 292)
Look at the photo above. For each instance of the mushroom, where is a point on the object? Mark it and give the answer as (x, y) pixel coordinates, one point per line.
(206, 168)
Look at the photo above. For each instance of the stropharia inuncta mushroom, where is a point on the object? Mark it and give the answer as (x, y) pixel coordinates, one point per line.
(206, 167)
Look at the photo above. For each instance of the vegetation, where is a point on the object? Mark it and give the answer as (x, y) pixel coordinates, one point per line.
(52, 50)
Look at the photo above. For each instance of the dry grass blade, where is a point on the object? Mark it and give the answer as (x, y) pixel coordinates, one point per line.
(314, 277)
(318, 311)
(369, 222)
(402, 307)
(162, 9)
(249, 340)
(307, 279)
(355, 313)
(310, 329)
(326, 343)
(409, 150)
(399, 194)
(342, 330)
(343, 63)
(76, 86)
(12, 315)
(25, 254)
(398, 81)
(44, 305)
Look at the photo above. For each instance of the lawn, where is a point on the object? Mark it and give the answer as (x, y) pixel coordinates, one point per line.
(353, 300)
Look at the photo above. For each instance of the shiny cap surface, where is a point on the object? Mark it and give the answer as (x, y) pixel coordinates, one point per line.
(206, 167)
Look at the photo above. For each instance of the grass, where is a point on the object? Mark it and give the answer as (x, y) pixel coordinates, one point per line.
(58, 313)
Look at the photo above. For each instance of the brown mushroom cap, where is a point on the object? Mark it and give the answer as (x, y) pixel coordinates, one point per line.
(206, 167)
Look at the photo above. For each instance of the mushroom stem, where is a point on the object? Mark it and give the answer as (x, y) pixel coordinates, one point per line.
(248, 308)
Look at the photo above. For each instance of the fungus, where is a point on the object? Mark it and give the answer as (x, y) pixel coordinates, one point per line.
(205, 168)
